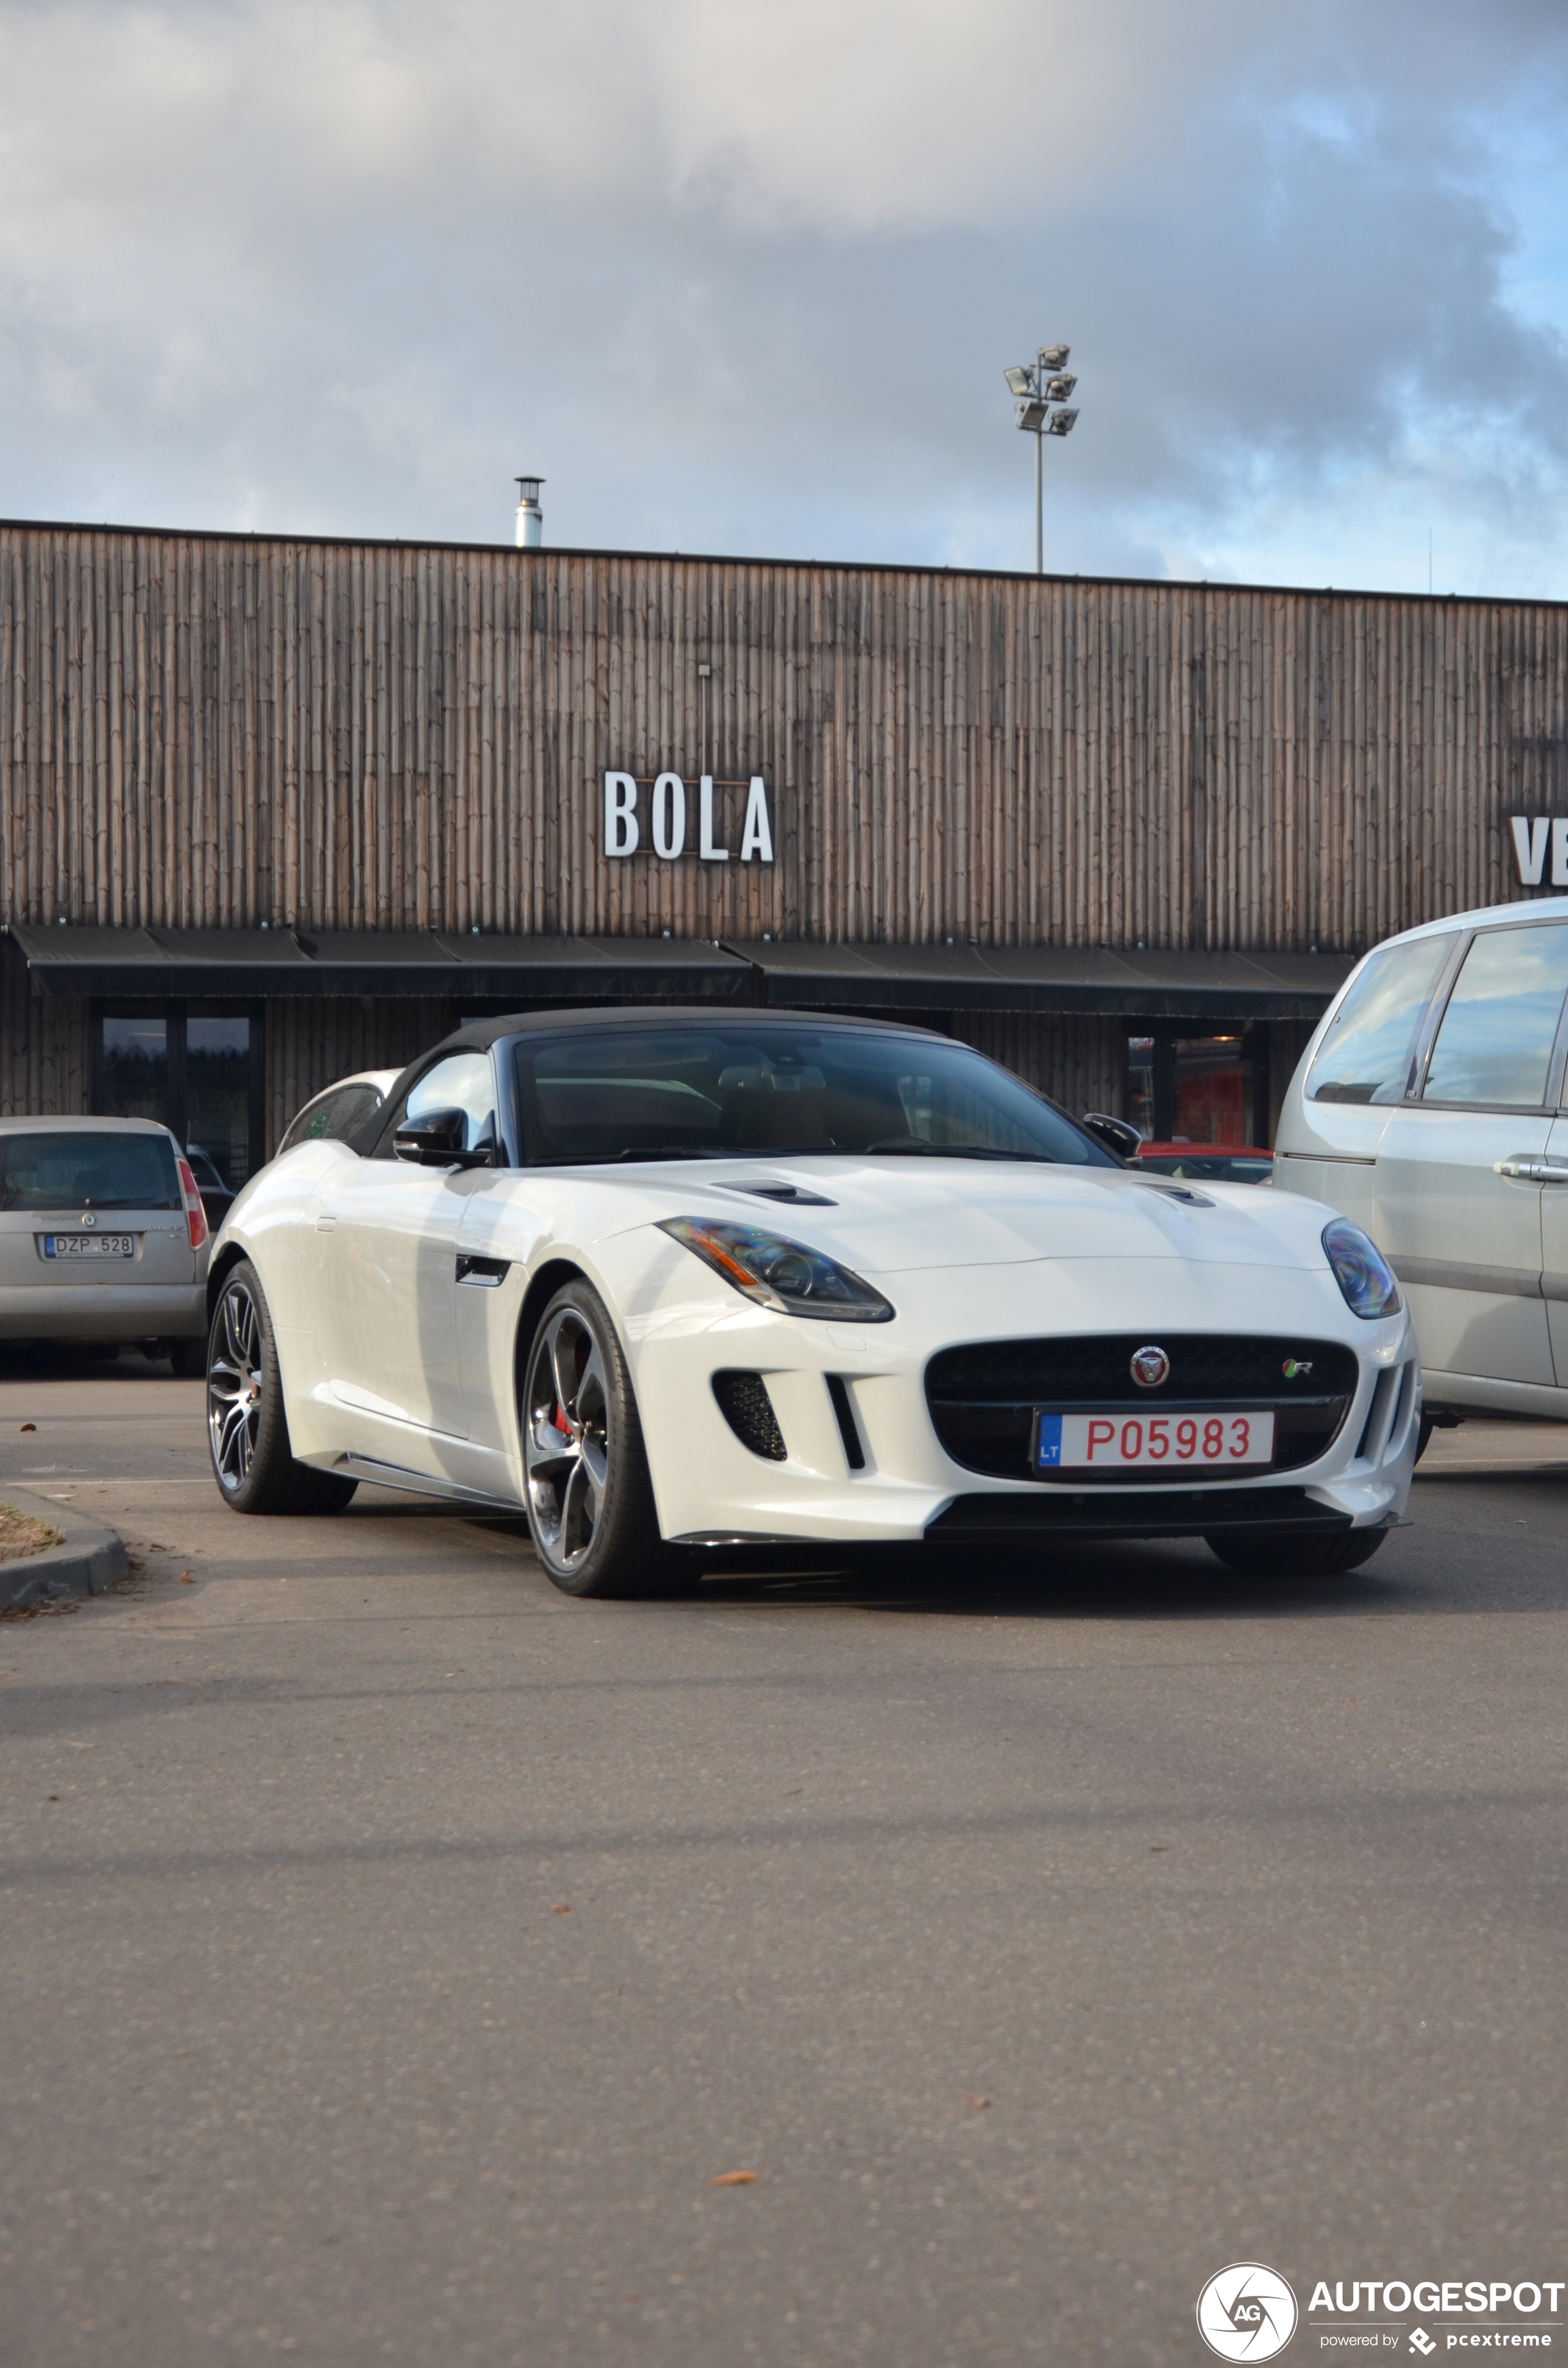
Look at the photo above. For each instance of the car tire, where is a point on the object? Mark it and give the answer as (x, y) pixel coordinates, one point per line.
(247, 1428)
(590, 1495)
(1287, 1554)
(188, 1359)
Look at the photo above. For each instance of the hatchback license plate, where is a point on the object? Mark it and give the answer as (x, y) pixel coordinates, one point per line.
(1186, 1442)
(89, 1246)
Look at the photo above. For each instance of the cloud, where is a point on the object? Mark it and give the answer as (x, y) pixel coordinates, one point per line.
(745, 277)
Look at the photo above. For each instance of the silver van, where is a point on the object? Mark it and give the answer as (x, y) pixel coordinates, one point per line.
(1431, 1108)
(102, 1236)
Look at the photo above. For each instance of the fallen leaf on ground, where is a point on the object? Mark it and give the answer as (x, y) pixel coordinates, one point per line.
(734, 2179)
(186, 1580)
(980, 2103)
(29, 1426)
(561, 1908)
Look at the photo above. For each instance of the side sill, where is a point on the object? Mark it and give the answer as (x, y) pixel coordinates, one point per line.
(420, 1484)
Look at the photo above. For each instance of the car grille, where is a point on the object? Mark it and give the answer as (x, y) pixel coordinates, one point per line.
(983, 1397)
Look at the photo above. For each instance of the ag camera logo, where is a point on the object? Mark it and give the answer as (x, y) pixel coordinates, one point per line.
(1246, 2312)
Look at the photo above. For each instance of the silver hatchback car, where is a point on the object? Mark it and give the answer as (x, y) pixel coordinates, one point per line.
(102, 1236)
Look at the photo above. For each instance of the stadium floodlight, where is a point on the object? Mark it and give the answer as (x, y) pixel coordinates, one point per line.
(1038, 386)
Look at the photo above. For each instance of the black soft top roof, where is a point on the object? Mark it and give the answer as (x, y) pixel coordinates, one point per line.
(480, 1034)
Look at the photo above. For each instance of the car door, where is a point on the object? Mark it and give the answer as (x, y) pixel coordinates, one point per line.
(1458, 1185)
(1554, 1239)
(388, 1232)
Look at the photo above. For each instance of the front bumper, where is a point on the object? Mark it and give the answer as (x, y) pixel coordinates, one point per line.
(708, 1486)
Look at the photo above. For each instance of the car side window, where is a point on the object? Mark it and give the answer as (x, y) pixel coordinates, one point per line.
(1495, 1045)
(1366, 1055)
(332, 1116)
(462, 1081)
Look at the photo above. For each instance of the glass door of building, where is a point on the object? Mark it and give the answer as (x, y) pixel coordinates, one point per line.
(198, 1069)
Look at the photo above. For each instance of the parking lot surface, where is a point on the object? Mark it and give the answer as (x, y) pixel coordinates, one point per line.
(396, 1953)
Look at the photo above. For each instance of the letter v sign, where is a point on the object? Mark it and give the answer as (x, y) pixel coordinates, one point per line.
(1530, 846)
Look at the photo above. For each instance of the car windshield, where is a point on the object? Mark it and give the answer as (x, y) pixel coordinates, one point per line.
(88, 1171)
(735, 1087)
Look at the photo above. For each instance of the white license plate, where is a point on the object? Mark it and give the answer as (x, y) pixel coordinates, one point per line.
(1143, 1442)
(89, 1246)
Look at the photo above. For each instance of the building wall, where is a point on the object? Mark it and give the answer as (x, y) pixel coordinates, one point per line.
(45, 1060)
(219, 730)
(310, 1043)
(1081, 1064)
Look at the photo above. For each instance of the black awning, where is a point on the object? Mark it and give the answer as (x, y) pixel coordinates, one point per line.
(538, 970)
(214, 964)
(1065, 979)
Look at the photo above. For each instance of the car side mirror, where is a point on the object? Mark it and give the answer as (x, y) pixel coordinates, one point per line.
(1122, 1140)
(439, 1139)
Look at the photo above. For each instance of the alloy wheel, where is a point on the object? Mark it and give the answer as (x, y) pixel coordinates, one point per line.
(235, 1381)
(566, 1439)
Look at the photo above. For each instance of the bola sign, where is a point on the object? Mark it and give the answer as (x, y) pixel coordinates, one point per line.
(668, 813)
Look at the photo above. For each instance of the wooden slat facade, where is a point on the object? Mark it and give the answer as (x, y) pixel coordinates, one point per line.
(219, 730)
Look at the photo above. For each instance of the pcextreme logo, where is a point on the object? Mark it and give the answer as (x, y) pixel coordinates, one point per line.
(1246, 2312)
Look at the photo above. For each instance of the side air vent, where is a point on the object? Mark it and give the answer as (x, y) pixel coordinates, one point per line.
(848, 1429)
(745, 1406)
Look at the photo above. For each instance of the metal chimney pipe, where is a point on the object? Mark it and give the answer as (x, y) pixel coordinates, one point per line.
(531, 518)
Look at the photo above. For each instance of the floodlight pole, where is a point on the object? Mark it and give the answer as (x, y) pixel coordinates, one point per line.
(1039, 500)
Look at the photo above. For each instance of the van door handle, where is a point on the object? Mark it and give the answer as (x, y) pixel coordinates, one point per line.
(1531, 1172)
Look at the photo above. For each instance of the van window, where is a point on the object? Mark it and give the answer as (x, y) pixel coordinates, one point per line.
(1495, 1045)
(1367, 1053)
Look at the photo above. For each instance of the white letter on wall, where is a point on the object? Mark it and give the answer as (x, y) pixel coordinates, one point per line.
(669, 816)
(757, 839)
(620, 814)
(1529, 848)
(705, 846)
(1559, 856)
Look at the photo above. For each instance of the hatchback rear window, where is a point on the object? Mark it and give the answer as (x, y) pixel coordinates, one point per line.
(88, 1171)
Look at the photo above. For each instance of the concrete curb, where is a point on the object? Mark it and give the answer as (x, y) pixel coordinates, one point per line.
(91, 1558)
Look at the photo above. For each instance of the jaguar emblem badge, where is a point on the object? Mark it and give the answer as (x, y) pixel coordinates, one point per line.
(1150, 1367)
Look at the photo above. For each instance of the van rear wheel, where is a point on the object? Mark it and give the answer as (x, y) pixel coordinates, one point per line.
(247, 1428)
(1288, 1553)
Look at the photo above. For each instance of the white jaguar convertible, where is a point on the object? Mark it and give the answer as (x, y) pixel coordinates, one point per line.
(691, 1281)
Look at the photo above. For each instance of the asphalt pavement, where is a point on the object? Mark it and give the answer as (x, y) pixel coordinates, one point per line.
(398, 1957)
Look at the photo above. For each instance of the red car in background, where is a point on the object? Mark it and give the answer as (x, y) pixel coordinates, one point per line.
(1209, 1163)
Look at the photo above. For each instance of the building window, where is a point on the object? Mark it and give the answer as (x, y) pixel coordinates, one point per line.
(1198, 1089)
(200, 1070)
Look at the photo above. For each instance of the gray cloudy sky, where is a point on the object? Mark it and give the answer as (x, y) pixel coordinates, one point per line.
(742, 275)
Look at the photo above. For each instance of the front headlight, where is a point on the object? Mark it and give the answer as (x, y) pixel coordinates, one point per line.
(779, 1274)
(1361, 1270)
